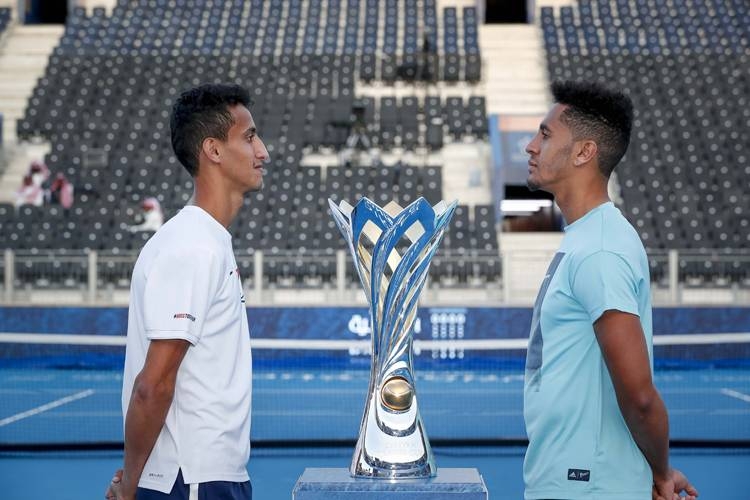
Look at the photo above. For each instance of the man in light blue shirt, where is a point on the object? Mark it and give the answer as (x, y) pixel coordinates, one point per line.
(597, 426)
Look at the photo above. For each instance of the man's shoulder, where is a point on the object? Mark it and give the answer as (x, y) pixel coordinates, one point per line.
(610, 232)
(176, 240)
(188, 229)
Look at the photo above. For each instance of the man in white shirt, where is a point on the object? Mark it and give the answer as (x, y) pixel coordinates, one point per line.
(188, 369)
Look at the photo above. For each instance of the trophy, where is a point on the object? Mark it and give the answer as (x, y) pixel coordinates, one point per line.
(392, 248)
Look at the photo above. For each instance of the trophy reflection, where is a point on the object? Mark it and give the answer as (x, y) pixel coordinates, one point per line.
(392, 248)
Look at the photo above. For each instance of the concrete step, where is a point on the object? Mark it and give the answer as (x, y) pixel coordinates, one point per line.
(14, 112)
(504, 45)
(518, 53)
(554, 3)
(516, 74)
(500, 101)
(11, 116)
(493, 36)
(507, 102)
(12, 99)
(507, 70)
(30, 47)
(13, 66)
(11, 88)
(37, 31)
(9, 124)
(511, 85)
(517, 110)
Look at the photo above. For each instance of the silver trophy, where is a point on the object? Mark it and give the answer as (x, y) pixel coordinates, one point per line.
(392, 248)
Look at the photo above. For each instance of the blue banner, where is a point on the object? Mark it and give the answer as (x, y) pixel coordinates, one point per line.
(351, 323)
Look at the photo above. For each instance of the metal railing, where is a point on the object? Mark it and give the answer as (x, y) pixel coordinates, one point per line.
(97, 275)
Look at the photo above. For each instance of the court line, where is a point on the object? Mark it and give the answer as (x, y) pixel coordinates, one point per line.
(324, 344)
(45, 407)
(734, 394)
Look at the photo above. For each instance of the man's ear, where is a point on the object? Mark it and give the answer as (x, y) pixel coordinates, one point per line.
(211, 149)
(585, 152)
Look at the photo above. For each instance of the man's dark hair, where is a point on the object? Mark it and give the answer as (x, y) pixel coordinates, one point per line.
(203, 112)
(597, 113)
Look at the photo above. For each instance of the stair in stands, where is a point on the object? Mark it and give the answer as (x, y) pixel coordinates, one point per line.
(23, 59)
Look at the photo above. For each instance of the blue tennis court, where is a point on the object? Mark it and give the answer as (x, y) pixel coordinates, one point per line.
(48, 406)
(467, 413)
(61, 421)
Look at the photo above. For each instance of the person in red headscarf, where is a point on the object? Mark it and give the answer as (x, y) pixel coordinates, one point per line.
(61, 191)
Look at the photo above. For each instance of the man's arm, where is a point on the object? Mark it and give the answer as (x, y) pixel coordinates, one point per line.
(623, 347)
(150, 400)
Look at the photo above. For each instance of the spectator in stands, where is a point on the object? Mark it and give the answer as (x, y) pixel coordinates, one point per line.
(61, 191)
(153, 216)
(29, 193)
(39, 173)
(187, 379)
(594, 419)
(428, 52)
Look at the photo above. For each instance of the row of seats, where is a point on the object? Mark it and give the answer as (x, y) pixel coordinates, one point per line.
(290, 217)
(290, 214)
(648, 26)
(320, 117)
(399, 40)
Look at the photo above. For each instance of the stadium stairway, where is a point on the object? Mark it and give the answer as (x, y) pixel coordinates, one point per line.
(514, 65)
(23, 59)
(514, 68)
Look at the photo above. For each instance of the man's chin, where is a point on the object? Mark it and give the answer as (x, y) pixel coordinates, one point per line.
(533, 186)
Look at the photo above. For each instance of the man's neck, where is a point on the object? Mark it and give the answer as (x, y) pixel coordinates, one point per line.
(576, 202)
(222, 206)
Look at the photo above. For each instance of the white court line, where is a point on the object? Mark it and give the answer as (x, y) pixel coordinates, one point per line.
(62, 338)
(331, 344)
(735, 394)
(45, 407)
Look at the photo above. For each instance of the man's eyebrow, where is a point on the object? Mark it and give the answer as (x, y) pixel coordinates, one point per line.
(544, 128)
(251, 131)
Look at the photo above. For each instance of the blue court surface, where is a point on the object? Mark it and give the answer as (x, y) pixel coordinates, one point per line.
(83, 406)
(50, 406)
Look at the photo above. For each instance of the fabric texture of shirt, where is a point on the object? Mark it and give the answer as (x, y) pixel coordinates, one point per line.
(579, 444)
(186, 285)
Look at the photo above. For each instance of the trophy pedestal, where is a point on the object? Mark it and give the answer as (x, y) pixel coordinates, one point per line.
(337, 484)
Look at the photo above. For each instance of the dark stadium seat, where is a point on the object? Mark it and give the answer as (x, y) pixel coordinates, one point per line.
(472, 60)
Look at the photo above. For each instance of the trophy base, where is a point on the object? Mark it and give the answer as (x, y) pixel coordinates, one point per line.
(338, 484)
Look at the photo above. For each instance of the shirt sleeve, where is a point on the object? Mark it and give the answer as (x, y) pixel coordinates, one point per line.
(605, 281)
(177, 295)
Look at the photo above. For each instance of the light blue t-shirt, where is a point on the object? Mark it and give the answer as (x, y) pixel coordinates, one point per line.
(579, 444)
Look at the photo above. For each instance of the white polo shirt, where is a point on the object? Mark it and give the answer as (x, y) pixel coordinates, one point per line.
(186, 285)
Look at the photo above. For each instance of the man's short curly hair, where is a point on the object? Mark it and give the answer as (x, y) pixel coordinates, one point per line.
(203, 112)
(598, 113)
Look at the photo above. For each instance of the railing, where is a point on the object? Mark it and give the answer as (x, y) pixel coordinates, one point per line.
(97, 276)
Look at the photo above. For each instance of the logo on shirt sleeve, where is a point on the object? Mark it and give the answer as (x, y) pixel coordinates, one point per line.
(579, 475)
(184, 316)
